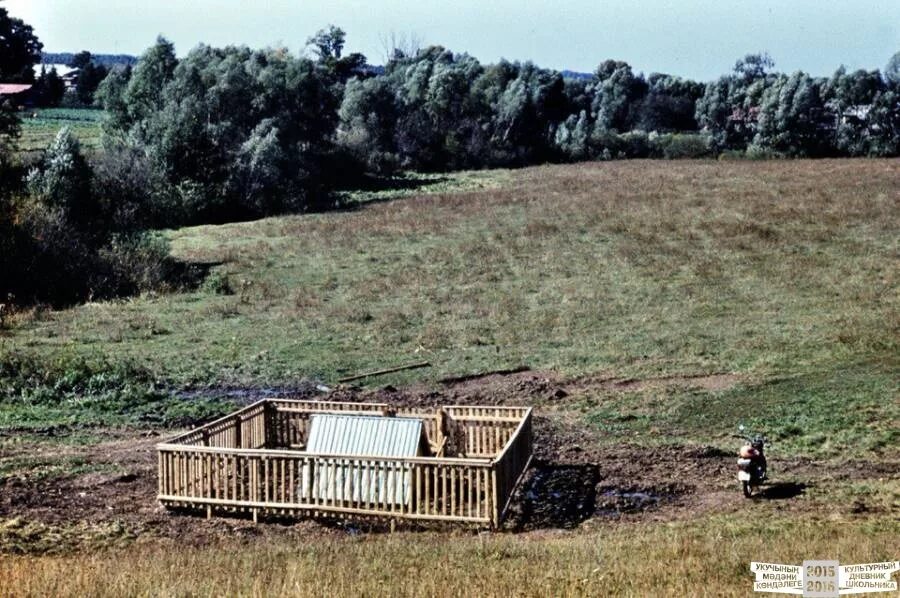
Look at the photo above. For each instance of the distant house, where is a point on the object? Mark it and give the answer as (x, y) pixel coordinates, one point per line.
(70, 78)
(19, 95)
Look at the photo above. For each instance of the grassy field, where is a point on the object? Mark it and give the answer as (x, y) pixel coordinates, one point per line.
(783, 273)
(771, 284)
(40, 126)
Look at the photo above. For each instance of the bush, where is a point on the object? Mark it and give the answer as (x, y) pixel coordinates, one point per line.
(635, 144)
(758, 152)
(62, 181)
(217, 283)
(75, 236)
(94, 390)
(131, 195)
(137, 264)
(51, 259)
(678, 146)
(30, 379)
(730, 155)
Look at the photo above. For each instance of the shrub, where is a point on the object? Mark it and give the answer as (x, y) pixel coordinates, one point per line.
(130, 193)
(758, 152)
(728, 155)
(52, 260)
(27, 378)
(138, 263)
(678, 146)
(63, 179)
(635, 144)
(217, 282)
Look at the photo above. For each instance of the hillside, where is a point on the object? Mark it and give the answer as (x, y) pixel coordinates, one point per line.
(627, 269)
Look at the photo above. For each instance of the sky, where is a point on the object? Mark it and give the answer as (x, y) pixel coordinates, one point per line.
(700, 39)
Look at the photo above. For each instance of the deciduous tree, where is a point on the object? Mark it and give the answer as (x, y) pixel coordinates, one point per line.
(20, 50)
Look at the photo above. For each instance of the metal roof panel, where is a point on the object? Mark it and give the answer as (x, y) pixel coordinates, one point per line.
(335, 434)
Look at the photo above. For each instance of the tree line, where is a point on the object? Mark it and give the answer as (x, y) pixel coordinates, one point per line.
(233, 133)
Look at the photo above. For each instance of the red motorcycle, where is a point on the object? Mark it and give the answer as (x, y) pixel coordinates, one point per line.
(751, 462)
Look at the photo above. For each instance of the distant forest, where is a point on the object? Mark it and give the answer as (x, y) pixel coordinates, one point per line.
(235, 133)
(107, 60)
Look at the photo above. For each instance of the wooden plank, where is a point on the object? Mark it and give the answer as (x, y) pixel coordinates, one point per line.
(469, 496)
(411, 366)
(318, 508)
(495, 513)
(247, 452)
(479, 418)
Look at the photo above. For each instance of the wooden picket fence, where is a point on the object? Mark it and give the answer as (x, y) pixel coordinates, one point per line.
(254, 461)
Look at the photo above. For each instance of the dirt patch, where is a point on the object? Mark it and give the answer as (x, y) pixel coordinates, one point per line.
(517, 386)
(716, 381)
(521, 385)
(614, 501)
(577, 478)
(514, 386)
(101, 509)
(452, 380)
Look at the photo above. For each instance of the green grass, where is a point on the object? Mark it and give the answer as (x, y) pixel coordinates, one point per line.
(829, 413)
(73, 397)
(40, 126)
(781, 272)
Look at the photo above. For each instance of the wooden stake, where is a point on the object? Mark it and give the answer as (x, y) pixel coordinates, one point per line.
(412, 366)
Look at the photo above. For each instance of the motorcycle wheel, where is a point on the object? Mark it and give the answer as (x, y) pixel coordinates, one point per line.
(747, 490)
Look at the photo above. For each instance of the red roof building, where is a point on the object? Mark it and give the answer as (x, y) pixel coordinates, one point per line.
(12, 89)
(19, 94)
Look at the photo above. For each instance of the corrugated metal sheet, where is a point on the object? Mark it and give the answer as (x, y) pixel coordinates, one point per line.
(334, 434)
(360, 435)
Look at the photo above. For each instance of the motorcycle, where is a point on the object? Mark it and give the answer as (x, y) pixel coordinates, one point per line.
(751, 462)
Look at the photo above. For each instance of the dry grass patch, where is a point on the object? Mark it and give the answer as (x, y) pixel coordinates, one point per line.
(710, 557)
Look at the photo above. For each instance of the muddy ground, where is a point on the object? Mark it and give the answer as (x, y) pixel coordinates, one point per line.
(575, 480)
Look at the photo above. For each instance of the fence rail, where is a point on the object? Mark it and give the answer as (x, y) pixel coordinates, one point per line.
(249, 461)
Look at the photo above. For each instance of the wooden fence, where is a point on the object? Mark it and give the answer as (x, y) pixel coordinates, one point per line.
(253, 461)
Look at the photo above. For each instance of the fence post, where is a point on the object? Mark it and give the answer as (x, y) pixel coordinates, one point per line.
(268, 425)
(311, 484)
(441, 441)
(495, 503)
